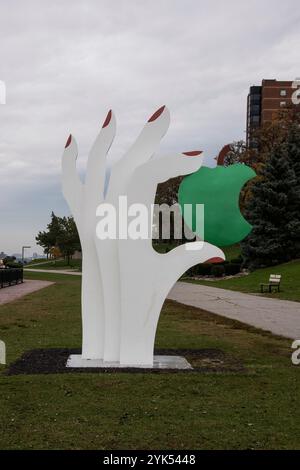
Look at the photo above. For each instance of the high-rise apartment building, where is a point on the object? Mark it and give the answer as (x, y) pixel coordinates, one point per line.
(264, 102)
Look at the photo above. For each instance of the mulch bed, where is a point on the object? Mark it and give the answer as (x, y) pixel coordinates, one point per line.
(53, 361)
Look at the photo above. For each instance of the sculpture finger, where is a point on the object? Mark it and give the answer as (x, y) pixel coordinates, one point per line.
(71, 184)
(149, 139)
(143, 183)
(163, 168)
(140, 152)
(96, 165)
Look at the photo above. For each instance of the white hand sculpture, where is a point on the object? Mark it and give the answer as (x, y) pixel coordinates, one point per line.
(123, 291)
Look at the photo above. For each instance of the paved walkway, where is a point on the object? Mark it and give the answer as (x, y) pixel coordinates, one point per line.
(8, 294)
(32, 265)
(281, 317)
(53, 271)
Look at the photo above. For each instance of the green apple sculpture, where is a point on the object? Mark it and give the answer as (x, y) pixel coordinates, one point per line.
(218, 189)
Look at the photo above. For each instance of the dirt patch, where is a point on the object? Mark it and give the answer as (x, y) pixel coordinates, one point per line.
(53, 361)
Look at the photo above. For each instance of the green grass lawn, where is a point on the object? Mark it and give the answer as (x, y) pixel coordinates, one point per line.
(37, 261)
(254, 409)
(75, 264)
(289, 288)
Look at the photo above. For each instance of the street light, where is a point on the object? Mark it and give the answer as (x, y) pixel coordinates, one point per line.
(23, 248)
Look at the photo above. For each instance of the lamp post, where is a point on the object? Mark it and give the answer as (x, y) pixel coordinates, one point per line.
(23, 249)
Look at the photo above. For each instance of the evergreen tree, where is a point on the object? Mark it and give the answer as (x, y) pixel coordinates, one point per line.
(293, 145)
(271, 211)
(293, 149)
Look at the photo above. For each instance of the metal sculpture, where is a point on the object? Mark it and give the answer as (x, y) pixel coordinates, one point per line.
(124, 281)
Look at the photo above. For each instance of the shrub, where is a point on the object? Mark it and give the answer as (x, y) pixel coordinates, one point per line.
(191, 272)
(237, 260)
(232, 268)
(203, 269)
(218, 270)
(14, 264)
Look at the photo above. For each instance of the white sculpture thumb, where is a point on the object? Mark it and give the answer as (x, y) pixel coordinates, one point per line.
(125, 281)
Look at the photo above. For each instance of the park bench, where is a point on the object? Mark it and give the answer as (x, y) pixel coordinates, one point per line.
(274, 282)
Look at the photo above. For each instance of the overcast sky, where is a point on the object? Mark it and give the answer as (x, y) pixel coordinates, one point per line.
(66, 63)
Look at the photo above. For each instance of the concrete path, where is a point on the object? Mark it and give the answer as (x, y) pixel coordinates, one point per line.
(281, 317)
(53, 271)
(38, 264)
(8, 294)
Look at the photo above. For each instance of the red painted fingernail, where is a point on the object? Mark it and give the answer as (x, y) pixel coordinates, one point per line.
(214, 260)
(156, 114)
(107, 119)
(68, 141)
(194, 153)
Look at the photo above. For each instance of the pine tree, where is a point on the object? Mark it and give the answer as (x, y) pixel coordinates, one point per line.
(271, 211)
(293, 145)
(293, 149)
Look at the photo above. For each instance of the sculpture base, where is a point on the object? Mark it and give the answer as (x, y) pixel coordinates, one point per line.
(159, 362)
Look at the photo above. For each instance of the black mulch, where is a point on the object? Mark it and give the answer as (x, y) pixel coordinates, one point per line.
(53, 361)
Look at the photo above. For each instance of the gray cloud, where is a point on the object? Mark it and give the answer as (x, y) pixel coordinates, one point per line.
(67, 63)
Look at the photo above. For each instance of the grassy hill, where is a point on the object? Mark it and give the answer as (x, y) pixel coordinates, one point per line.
(75, 264)
(290, 282)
